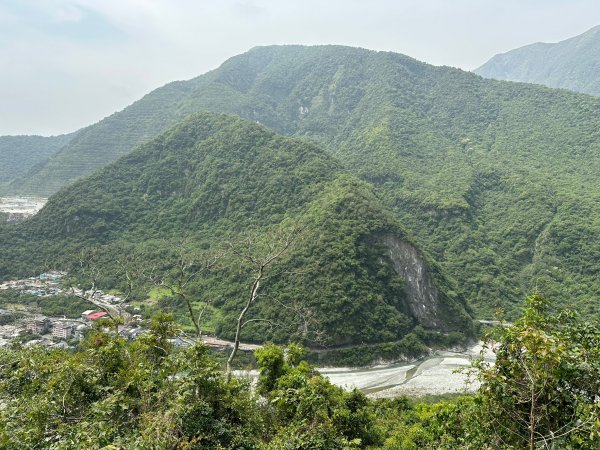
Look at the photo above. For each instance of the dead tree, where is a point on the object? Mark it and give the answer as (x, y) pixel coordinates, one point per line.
(91, 272)
(271, 251)
(187, 268)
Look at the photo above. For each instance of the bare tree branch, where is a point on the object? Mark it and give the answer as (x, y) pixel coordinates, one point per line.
(260, 263)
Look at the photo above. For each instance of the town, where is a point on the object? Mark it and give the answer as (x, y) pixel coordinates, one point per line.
(20, 324)
(16, 209)
(30, 327)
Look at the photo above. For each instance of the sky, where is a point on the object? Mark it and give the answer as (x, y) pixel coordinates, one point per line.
(69, 63)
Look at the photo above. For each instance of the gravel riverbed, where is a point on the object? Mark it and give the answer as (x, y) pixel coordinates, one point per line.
(433, 375)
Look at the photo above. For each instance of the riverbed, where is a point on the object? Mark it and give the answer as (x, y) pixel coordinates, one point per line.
(433, 375)
(20, 208)
(437, 374)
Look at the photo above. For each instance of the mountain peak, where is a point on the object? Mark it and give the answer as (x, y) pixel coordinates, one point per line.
(572, 64)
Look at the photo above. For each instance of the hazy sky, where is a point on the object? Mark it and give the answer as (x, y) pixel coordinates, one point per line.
(69, 63)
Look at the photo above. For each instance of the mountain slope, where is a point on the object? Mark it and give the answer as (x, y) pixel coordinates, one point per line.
(490, 177)
(570, 64)
(212, 178)
(19, 154)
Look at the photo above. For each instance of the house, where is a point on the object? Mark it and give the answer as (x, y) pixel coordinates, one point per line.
(62, 330)
(53, 275)
(37, 325)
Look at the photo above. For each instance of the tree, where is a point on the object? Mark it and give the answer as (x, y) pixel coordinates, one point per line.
(310, 412)
(120, 394)
(186, 269)
(543, 390)
(271, 250)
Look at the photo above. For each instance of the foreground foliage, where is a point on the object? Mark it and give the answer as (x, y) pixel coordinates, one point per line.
(148, 394)
(543, 391)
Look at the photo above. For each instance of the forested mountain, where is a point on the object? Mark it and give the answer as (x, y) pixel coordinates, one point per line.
(570, 64)
(213, 178)
(19, 154)
(497, 180)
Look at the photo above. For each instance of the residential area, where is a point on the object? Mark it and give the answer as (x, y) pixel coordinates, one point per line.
(16, 209)
(31, 327)
(21, 323)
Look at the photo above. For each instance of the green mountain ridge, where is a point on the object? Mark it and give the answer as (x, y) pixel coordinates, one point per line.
(572, 64)
(20, 154)
(214, 177)
(492, 178)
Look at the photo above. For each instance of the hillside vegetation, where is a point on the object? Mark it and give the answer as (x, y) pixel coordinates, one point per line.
(572, 64)
(496, 180)
(214, 179)
(148, 394)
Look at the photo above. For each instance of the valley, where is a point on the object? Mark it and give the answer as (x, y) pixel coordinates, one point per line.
(359, 224)
(490, 179)
(16, 209)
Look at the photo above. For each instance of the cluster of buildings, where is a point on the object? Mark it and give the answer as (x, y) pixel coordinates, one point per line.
(60, 332)
(46, 285)
(52, 331)
(16, 209)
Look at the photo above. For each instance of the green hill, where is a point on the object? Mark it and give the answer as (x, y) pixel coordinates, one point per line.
(572, 64)
(19, 154)
(496, 180)
(214, 177)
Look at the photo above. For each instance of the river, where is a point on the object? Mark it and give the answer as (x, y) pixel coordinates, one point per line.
(432, 375)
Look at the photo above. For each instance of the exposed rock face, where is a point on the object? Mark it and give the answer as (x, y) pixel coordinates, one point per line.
(422, 297)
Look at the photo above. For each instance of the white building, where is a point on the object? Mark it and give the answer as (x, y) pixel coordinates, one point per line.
(87, 313)
(37, 325)
(62, 330)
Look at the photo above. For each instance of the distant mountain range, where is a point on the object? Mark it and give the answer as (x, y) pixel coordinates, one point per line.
(20, 154)
(570, 64)
(496, 182)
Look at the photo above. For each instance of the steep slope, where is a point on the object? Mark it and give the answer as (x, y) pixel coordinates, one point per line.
(489, 176)
(214, 177)
(97, 145)
(19, 154)
(570, 64)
